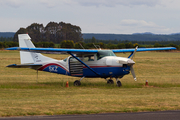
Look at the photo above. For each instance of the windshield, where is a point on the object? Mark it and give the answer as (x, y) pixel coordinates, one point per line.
(65, 60)
(104, 53)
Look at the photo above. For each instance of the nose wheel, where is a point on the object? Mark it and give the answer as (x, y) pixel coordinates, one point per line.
(118, 82)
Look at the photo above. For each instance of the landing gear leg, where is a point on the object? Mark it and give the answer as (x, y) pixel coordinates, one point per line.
(118, 82)
(78, 82)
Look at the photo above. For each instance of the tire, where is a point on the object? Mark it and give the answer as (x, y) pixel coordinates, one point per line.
(77, 83)
(119, 83)
(110, 81)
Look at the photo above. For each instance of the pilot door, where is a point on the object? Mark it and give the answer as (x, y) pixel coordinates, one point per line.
(75, 67)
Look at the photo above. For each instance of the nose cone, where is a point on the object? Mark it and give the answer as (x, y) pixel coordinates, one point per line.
(126, 61)
(130, 62)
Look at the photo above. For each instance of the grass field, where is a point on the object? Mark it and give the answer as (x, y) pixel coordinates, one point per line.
(21, 94)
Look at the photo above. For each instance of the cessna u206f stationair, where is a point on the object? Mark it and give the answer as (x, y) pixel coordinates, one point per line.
(81, 62)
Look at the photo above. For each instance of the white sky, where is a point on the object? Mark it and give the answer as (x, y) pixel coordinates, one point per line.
(94, 16)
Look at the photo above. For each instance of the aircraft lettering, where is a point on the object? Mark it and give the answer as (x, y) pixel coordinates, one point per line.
(53, 68)
(36, 58)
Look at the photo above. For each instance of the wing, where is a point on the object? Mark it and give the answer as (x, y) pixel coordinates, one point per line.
(82, 51)
(144, 49)
(53, 50)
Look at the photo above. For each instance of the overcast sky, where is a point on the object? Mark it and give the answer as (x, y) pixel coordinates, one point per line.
(94, 16)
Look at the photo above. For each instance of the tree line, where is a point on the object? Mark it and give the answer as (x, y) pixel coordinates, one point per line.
(66, 35)
(120, 45)
(134, 37)
(2, 39)
(16, 44)
(163, 42)
(82, 45)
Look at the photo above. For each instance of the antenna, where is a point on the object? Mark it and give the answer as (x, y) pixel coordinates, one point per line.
(97, 46)
(81, 45)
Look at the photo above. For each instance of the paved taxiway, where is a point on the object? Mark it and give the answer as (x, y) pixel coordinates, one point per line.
(166, 115)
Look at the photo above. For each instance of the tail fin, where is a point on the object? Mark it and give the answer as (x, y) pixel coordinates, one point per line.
(30, 57)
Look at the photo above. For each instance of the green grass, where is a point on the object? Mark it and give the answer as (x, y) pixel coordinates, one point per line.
(22, 94)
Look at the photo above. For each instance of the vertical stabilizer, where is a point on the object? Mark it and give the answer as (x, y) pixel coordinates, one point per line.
(30, 57)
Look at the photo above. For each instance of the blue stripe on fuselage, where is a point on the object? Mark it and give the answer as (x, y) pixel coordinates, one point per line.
(104, 71)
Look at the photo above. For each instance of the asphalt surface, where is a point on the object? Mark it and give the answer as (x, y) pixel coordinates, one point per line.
(166, 115)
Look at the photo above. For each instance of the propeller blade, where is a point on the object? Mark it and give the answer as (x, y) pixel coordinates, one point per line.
(133, 73)
(134, 52)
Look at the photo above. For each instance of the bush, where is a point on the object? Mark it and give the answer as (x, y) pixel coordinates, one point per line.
(67, 44)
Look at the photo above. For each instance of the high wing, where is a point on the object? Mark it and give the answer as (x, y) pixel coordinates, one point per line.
(143, 49)
(83, 51)
(53, 50)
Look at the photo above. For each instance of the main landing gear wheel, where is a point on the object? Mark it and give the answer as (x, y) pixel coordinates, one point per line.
(119, 83)
(110, 81)
(77, 83)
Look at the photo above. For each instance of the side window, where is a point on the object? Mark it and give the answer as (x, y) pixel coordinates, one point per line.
(89, 58)
(74, 59)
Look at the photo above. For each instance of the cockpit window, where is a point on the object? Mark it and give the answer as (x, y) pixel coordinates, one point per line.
(104, 53)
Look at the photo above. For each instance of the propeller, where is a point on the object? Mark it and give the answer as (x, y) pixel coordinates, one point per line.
(131, 67)
(134, 52)
(126, 61)
(133, 73)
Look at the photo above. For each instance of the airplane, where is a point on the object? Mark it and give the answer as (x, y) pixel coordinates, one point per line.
(81, 62)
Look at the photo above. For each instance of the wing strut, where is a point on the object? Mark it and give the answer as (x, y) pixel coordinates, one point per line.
(84, 64)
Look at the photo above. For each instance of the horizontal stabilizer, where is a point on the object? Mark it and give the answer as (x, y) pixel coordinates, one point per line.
(33, 66)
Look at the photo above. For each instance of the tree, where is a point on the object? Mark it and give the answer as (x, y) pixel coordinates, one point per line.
(129, 45)
(101, 44)
(79, 45)
(20, 31)
(36, 32)
(1, 45)
(136, 44)
(93, 40)
(121, 45)
(52, 32)
(158, 45)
